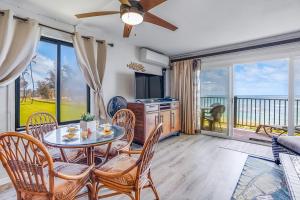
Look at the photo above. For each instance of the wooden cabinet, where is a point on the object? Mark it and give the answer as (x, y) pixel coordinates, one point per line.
(148, 115)
(165, 118)
(151, 120)
(175, 120)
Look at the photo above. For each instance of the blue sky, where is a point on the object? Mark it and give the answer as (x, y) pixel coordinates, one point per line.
(46, 57)
(74, 86)
(260, 78)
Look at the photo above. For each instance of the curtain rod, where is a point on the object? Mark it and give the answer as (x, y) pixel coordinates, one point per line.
(57, 29)
(270, 44)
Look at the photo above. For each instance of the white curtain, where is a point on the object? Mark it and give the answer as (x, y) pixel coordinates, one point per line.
(91, 56)
(18, 41)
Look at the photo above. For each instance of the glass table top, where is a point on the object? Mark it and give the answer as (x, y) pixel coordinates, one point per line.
(58, 137)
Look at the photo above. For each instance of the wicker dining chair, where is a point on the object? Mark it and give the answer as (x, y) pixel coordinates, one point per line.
(126, 174)
(40, 123)
(124, 118)
(35, 178)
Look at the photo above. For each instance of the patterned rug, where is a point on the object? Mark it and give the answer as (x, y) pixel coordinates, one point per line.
(261, 180)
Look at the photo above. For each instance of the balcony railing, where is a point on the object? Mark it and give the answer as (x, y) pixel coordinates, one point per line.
(252, 111)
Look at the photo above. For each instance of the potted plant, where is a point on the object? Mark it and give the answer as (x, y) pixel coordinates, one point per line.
(88, 122)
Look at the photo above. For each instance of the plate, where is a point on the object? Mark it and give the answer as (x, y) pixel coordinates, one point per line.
(72, 129)
(70, 136)
(106, 133)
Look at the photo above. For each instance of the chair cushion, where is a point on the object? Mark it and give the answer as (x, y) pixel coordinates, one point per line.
(290, 142)
(54, 153)
(63, 189)
(115, 147)
(119, 164)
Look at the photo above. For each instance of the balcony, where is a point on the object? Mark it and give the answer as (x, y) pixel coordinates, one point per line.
(254, 118)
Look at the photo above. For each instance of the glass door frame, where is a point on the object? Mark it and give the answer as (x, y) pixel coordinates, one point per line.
(291, 97)
(228, 133)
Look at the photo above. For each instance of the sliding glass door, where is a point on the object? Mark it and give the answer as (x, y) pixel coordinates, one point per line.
(260, 99)
(214, 100)
(251, 95)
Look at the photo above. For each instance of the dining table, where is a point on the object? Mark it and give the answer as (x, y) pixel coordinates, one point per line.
(87, 140)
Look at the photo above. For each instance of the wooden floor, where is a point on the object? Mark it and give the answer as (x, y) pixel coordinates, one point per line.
(246, 135)
(194, 168)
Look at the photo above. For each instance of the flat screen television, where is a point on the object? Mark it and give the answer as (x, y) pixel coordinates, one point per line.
(148, 86)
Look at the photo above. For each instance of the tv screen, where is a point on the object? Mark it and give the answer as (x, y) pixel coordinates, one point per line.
(148, 86)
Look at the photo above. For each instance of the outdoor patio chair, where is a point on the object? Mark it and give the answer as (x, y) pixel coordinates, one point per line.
(215, 116)
(274, 130)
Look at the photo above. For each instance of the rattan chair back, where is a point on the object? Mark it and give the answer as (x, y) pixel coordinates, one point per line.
(148, 153)
(40, 123)
(125, 118)
(20, 156)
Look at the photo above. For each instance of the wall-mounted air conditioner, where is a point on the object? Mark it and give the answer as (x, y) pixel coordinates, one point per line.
(154, 58)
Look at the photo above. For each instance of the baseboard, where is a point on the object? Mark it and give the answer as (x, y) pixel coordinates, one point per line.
(5, 184)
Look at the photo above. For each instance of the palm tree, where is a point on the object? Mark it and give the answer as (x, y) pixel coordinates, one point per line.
(31, 75)
(24, 85)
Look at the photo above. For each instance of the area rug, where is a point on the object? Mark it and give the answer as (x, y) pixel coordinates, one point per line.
(261, 179)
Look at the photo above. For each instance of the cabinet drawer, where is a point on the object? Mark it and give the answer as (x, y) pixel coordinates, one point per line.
(151, 108)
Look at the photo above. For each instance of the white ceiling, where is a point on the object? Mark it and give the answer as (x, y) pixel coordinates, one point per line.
(202, 24)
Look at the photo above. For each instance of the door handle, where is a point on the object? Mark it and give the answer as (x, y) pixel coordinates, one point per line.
(173, 120)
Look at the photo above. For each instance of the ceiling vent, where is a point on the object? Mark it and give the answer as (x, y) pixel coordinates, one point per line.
(154, 58)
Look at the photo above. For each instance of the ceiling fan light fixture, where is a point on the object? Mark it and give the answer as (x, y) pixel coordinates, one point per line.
(132, 18)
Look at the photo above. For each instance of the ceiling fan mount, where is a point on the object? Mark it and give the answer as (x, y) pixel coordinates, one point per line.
(134, 12)
(132, 4)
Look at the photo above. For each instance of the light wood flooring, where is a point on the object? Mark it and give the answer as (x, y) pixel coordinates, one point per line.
(194, 168)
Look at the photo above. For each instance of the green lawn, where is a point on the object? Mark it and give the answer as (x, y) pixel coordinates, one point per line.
(69, 111)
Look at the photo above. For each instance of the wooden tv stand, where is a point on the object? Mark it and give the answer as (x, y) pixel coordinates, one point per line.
(148, 115)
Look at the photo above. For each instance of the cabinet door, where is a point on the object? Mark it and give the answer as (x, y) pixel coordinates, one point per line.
(165, 118)
(175, 121)
(152, 120)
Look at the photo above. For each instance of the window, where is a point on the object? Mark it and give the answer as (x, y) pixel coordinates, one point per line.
(52, 83)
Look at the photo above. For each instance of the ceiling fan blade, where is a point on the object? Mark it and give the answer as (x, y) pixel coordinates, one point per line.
(148, 17)
(149, 4)
(125, 2)
(94, 14)
(127, 30)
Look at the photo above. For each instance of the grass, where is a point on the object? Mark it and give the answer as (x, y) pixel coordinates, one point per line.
(69, 110)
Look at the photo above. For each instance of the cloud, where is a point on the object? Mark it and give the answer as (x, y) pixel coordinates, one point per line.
(40, 68)
(261, 78)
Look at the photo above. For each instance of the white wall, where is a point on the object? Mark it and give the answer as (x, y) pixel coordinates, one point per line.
(119, 79)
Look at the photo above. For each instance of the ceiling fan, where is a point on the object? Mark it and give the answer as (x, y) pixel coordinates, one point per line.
(134, 12)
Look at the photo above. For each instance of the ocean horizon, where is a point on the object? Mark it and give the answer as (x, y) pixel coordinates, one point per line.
(253, 96)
